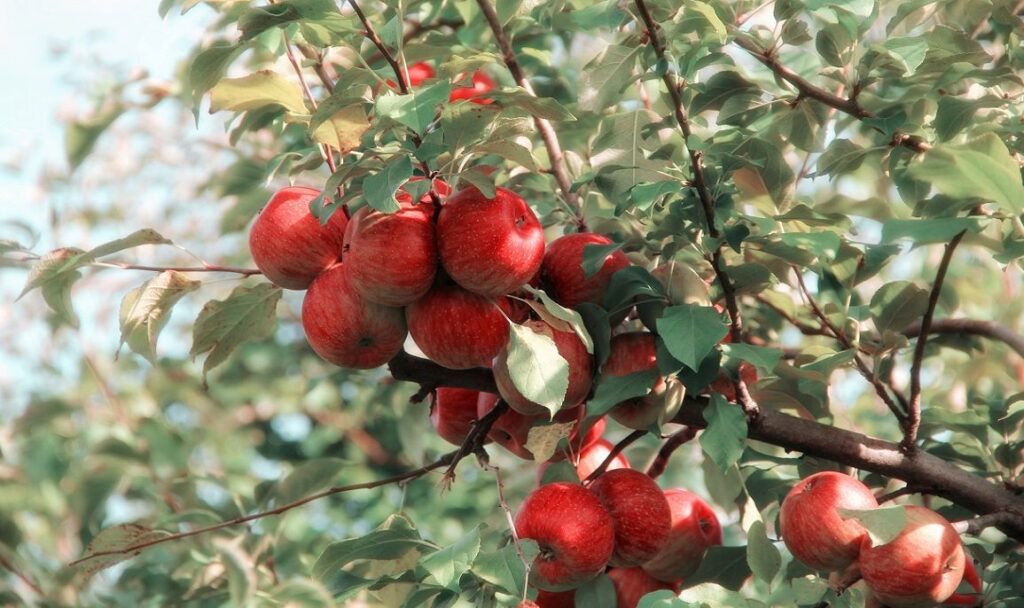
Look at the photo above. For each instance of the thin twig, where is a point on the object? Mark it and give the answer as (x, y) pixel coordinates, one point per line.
(318, 65)
(511, 526)
(474, 440)
(403, 477)
(848, 105)
(880, 389)
(973, 327)
(914, 407)
(245, 272)
(615, 451)
(660, 462)
(9, 565)
(325, 150)
(547, 132)
(707, 202)
(904, 491)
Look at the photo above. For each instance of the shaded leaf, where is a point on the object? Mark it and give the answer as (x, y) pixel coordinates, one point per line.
(447, 565)
(146, 309)
(725, 566)
(248, 313)
(898, 304)
(726, 434)
(415, 110)
(381, 187)
(612, 390)
(762, 555)
(691, 332)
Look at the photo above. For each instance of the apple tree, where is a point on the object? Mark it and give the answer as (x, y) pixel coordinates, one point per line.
(638, 303)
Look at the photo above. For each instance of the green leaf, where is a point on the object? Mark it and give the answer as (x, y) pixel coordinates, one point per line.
(259, 19)
(381, 187)
(691, 332)
(711, 18)
(537, 369)
(465, 123)
(146, 309)
(841, 156)
(210, 65)
(503, 568)
(415, 110)
(603, 79)
(598, 592)
(613, 390)
(883, 523)
(953, 115)
(257, 90)
(759, 356)
(981, 169)
(824, 245)
(541, 107)
(726, 434)
(559, 317)
(725, 566)
(898, 304)
(448, 564)
(939, 230)
(762, 555)
(594, 257)
(308, 478)
(381, 544)
(81, 135)
(722, 86)
(117, 538)
(248, 313)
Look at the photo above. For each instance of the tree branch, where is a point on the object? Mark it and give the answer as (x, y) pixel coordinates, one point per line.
(615, 451)
(811, 438)
(547, 132)
(660, 462)
(474, 441)
(847, 105)
(325, 150)
(245, 272)
(914, 406)
(707, 202)
(974, 327)
(132, 550)
(976, 525)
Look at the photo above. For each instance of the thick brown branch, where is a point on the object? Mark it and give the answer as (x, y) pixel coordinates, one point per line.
(847, 105)
(976, 525)
(615, 451)
(547, 132)
(914, 406)
(410, 475)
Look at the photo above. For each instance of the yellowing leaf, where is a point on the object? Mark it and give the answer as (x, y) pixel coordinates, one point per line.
(344, 129)
(146, 309)
(263, 88)
(543, 439)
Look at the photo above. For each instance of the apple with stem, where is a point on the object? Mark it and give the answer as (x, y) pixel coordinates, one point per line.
(574, 532)
(590, 458)
(457, 329)
(811, 526)
(289, 245)
(490, 246)
(640, 513)
(391, 258)
(921, 567)
(695, 527)
(347, 330)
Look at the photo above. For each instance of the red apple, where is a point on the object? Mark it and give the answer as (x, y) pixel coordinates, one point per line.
(482, 84)
(634, 352)
(562, 270)
(574, 531)
(594, 434)
(640, 512)
(289, 245)
(391, 258)
(453, 412)
(418, 73)
(724, 385)
(631, 584)
(814, 531)
(572, 350)
(556, 599)
(695, 527)
(512, 430)
(347, 330)
(456, 328)
(490, 246)
(921, 567)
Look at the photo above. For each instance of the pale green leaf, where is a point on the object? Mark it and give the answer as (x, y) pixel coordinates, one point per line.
(883, 524)
(537, 369)
(762, 555)
(117, 538)
(981, 169)
(146, 309)
(248, 313)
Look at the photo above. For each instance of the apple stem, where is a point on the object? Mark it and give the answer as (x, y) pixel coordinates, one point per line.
(615, 451)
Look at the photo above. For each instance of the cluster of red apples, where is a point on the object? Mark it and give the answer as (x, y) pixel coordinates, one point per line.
(919, 568)
(623, 524)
